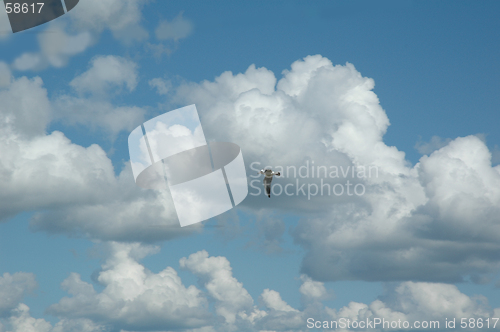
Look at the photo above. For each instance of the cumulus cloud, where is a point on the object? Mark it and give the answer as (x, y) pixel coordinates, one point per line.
(97, 114)
(61, 41)
(435, 221)
(416, 302)
(136, 299)
(56, 48)
(15, 316)
(106, 72)
(133, 297)
(162, 86)
(169, 33)
(217, 278)
(25, 107)
(22, 321)
(13, 288)
(91, 104)
(121, 17)
(74, 186)
(176, 29)
(313, 290)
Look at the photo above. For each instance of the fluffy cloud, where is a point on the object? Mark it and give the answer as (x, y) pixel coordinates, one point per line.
(133, 297)
(435, 221)
(169, 33)
(176, 29)
(124, 278)
(313, 290)
(38, 170)
(162, 86)
(97, 114)
(76, 187)
(15, 316)
(87, 21)
(56, 48)
(13, 288)
(106, 72)
(91, 105)
(217, 277)
(416, 302)
(22, 321)
(25, 108)
(136, 299)
(122, 17)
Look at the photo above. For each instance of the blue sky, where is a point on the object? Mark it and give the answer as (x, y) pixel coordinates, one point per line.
(410, 87)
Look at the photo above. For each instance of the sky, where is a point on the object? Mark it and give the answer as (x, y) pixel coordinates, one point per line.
(387, 111)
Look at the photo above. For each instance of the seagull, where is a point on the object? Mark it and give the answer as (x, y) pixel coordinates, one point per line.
(268, 177)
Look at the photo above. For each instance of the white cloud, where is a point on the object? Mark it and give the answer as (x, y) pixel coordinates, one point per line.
(25, 107)
(217, 277)
(446, 238)
(422, 302)
(133, 297)
(137, 299)
(29, 61)
(5, 29)
(88, 19)
(106, 77)
(105, 73)
(436, 301)
(22, 321)
(169, 33)
(5, 75)
(97, 114)
(122, 17)
(162, 86)
(176, 29)
(13, 287)
(15, 315)
(435, 221)
(118, 210)
(76, 187)
(272, 300)
(313, 290)
(56, 48)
